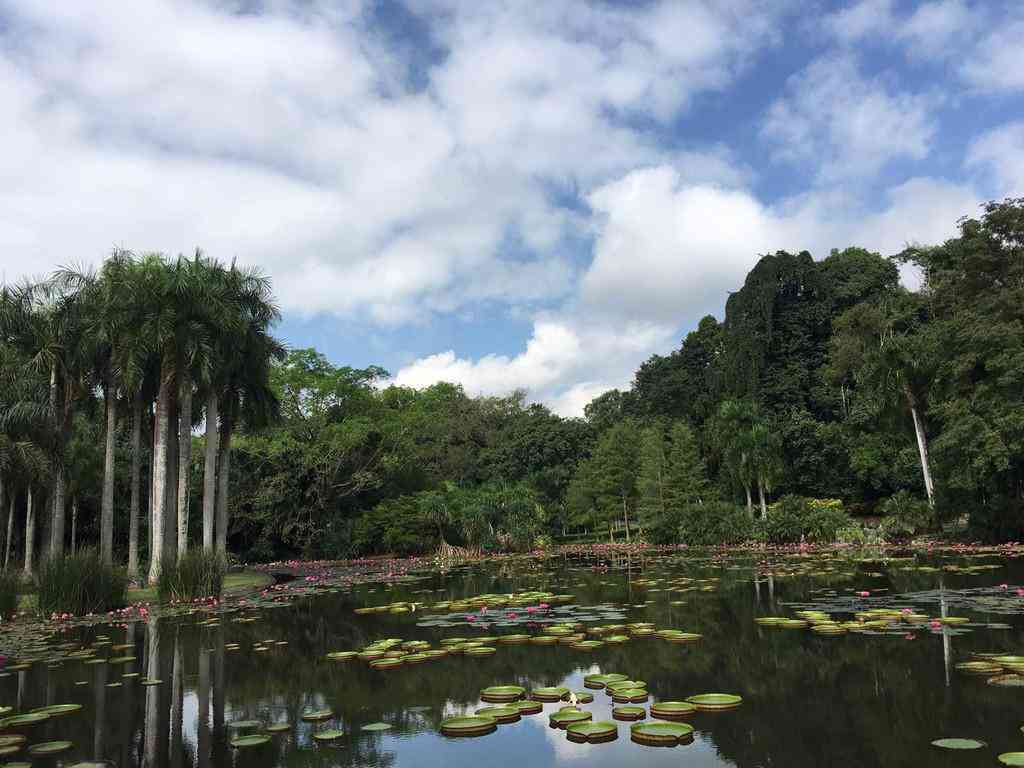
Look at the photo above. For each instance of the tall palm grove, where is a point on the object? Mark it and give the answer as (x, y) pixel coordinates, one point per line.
(152, 348)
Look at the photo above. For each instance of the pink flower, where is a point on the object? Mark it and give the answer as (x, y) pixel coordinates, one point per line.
(1004, 586)
(935, 624)
(906, 610)
(483, 609)
(531, 609)
(511, 615)
(471, 618)
(544, 606)
(1020, 592)
(863, 593)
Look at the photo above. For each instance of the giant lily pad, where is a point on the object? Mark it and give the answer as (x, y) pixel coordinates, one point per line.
(629, 713)
(50, 748)
(712, 702)
(549, 694)
(252, 740)
(594, 733)
(318, 715)
(1011, 758)
(661, 734)
(24, 721)
(56, 710)
(670, 710)
(566, 717)
(958, 744)
(331, 734)
(374, 727)
(468, 726)
(502, 714)
(500, 693)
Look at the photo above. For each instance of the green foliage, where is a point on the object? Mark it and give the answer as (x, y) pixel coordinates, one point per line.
(714, 523)
(10, 586)
(79, 584)
(860, 535)
(905, 516)
(196, 574)
(795, 519)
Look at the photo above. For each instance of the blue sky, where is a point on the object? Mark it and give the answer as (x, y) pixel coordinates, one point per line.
(508, 194)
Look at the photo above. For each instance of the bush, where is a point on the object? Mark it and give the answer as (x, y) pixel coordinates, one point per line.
(10, 585)
(859, 535)
(905, 516)
(664, 529)
(794, 519)
(394, 527)
(197, 574)
(79, 584)
(714, 523)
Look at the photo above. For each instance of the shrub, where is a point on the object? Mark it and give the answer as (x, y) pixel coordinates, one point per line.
(394, 527)
(79, 584)
(10, 584)
(859, 535)
(714, 523)
(905, 516)
(795, 518)
(197, 574)
(664, 529)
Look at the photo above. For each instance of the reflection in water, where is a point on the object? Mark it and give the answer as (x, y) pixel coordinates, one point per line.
(850, 701)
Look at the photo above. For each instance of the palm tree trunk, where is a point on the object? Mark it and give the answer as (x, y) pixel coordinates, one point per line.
(922, 445)
(74, 523)
(171, 488)
(223, 472)
(136, 489)
(625, 516)
(210, 471)
(59, 514)
(30, 532)
(184, 463)
(159, 496)
(750, 502)
(760, 494)
(10, 530)
(107, 503)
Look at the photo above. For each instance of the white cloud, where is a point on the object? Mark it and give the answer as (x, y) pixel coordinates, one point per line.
(1000, 154)
(666, 248)
(859, 20)
(933, 27)
(845, 123)
(290, 138)
(997, 61)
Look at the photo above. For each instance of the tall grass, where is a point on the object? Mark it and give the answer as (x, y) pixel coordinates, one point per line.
(10, 584)
(80, 583)
(197, 574)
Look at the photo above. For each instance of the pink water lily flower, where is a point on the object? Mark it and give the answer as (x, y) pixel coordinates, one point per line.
(531, 609)
(544, 606)
(935, 624)
(863, 593)
(471, 618)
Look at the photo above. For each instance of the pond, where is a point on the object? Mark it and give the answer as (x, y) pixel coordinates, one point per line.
(874, 688)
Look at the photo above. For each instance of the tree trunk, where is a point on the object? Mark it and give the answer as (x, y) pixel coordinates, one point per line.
(2, 497)
(59, 513)
(136, 489)
(184, 463)
(210, 471)
(760, 494)
(223, 473)
(922, 445)
(750, 502)
(30, 532)
(625, 517)
(74, 523)
(107, 503)
(159, 496)
(171, 514)
(10, 530)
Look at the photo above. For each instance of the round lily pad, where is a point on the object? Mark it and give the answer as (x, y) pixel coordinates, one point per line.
(501, 714)
(629, 713)
(501, 693)
(252, 740)
(468, 726)
(549, 694)
(331, 734)
(56, 710)
(318, 716)
(24, 721)
(566, 717)
(243, 725)
(278, 728)
(50, 748)
(1011, 758)
(669, 710)
(342, 655)
(661, 734)
(710, 702)
(629, 695)
(979, 667)
(11, 740)
(377, 727)
(529, 707)
(594, 733)
(958, 744)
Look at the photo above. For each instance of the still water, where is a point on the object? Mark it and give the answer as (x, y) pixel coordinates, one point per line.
(809, 700)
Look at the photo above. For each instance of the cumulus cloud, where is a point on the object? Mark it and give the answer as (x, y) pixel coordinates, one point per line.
(847, 124)
(999, 154)
(997, 61)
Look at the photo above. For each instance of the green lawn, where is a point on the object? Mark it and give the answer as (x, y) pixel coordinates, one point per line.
(244, 581)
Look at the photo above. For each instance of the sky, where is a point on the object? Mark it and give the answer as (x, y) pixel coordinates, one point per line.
(507, 194)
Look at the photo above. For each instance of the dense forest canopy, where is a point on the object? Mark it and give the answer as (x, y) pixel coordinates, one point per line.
(152, 401)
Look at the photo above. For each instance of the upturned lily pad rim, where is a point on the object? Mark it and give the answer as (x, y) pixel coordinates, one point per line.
(11, 739)
(661, 733)
(598, 730)
(376, 727)
(242, 725)
(56, 710)
(503, 715)
(1011, 758)
(512, 692)
(331, 734)
(318, 715)
(18, 721)
(629, 712)
(279, 727)
(673, 708)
